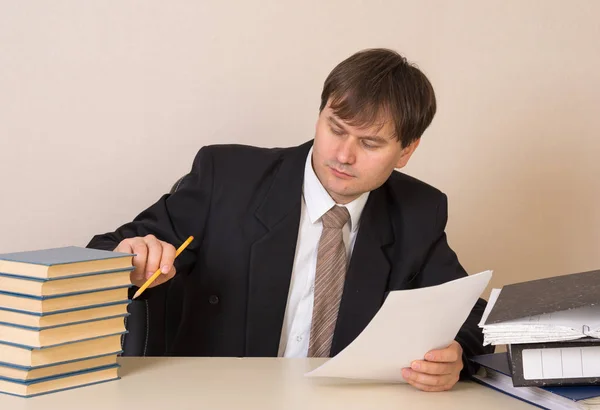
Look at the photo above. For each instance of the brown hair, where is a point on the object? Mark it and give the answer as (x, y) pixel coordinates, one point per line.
(376, 84)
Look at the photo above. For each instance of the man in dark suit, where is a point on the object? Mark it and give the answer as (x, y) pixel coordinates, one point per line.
(296, 248)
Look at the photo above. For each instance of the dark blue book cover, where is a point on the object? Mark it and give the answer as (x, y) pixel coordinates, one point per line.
(90, 321)
(499, 363)
(62, 295)
(81, 275)
(75, 309)
(66, 376)
(61, 256)
(59, 376)
(29, 368)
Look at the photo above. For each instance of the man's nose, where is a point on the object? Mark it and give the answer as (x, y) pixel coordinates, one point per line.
(346, 153)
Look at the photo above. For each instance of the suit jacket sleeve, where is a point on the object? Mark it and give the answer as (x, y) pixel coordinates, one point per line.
(442, 265)
(173, 218)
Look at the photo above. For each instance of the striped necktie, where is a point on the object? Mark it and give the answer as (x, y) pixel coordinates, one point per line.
(329, 281)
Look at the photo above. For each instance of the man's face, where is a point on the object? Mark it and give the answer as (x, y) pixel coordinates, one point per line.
(350, 161)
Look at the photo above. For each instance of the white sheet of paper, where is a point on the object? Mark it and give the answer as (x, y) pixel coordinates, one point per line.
(409, 324)
(548, 327)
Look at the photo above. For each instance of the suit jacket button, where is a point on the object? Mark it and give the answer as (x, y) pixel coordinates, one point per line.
(213, 299)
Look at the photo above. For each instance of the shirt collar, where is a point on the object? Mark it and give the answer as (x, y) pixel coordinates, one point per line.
(318, 201)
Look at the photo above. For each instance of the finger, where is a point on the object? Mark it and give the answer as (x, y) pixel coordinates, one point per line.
(432, 367)
(125, 246)
(427, 379)
(163, 278)
(450, 354)
(154, 254)
(168, 257)
(138, 246)
(426, 387)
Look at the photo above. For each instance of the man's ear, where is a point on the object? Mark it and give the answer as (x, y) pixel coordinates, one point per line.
(407, 153)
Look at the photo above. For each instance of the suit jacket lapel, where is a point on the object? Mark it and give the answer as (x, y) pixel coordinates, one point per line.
(368, 272)
(272, 256)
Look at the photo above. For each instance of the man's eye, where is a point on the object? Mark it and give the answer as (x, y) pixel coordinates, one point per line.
(336, 131)
(368, 144)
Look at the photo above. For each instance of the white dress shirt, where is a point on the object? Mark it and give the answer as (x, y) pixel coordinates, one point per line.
(295, 334)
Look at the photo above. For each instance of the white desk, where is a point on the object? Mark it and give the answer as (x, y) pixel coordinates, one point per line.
(266, 384)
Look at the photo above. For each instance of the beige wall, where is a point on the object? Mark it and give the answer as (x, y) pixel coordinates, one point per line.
(103, 104)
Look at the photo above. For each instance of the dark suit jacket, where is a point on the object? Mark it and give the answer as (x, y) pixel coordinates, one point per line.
(242, 204)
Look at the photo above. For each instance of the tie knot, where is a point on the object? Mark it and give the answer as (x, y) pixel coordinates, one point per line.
(336, 217)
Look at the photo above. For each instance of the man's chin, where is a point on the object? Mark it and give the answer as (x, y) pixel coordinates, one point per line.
(342, 196)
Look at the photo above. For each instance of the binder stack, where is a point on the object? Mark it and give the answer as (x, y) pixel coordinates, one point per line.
(551, 329)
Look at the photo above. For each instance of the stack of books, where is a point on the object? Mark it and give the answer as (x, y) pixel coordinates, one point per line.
(62, 317)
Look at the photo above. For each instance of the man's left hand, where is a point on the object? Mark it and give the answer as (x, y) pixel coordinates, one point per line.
(438, 372)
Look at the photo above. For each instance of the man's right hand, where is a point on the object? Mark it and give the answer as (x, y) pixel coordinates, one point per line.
(150, 255)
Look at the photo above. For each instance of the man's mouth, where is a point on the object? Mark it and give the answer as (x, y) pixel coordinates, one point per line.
(341, 174)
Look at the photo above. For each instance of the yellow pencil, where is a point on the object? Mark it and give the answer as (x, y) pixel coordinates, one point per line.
(158, 272)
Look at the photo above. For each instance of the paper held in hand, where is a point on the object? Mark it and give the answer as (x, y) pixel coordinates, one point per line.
(409, 324)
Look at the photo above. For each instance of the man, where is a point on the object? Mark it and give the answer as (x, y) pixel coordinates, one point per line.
(296, 248)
